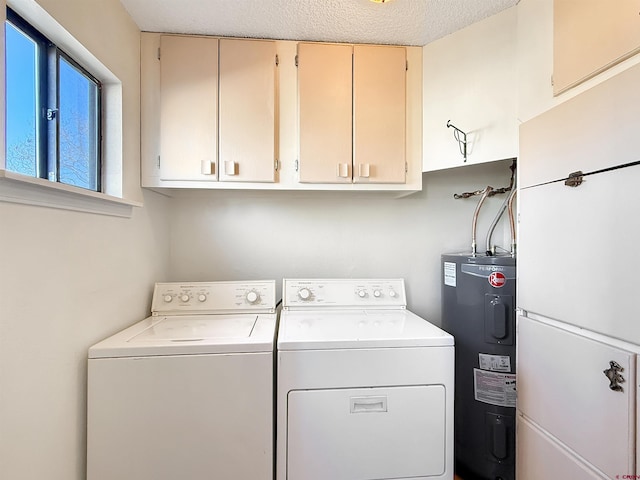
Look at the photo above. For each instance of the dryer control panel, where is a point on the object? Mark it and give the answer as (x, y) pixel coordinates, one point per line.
(214, 297)
(344, 293)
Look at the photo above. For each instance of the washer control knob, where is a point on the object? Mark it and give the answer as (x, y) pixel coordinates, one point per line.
(202, 297)
(252, 296)
(184, 297)
(392, 293)
(377, 293)
(168, 298)
(362, 293)
(304, 293)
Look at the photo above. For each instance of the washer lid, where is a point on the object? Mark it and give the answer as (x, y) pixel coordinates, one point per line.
(323, 330)
(190, 335)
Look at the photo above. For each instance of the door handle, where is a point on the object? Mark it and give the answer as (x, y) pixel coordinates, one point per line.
(613, 374)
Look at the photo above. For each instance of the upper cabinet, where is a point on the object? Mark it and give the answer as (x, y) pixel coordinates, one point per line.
(352, 113)
(379, 100)
(188, 108)
(247, 141)
(217, 102)
(470, 78)
(590, 36)
(281, 115)
(325, 112)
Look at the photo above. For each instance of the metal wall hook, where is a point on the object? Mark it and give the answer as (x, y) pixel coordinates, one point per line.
(462, 142)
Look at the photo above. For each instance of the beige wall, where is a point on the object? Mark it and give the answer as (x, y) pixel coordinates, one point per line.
(69, 279)
(240, 235)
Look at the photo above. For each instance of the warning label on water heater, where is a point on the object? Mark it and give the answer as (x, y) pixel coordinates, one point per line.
(450, 274)
(494, 388)
(495, 363)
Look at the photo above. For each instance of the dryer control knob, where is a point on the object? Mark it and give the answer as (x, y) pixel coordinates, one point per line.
(202, 297)
(304, 293)
(392, 294)
(184, 298)
(377, 293)
(168, 298)
(362, 293)
(252, 296)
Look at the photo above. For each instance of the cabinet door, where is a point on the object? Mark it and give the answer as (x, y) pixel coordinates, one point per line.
(563, 390)
(325, 112)
(577, 259)
(589, 36)
(379, 99)
(594, 130)
(247, 126)
(189, 105)
(539, 456)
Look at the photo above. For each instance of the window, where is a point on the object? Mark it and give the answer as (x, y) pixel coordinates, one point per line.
(53, 110)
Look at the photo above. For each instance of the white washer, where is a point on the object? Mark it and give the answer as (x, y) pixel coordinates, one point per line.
(187, 393)
(365, 387)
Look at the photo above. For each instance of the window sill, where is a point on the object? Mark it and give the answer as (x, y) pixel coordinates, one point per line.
(17, 188)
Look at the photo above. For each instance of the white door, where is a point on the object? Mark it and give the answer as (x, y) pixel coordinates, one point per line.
(540, 457)
(366, 433)
(562, 389)
(594, 130)
(577, 258)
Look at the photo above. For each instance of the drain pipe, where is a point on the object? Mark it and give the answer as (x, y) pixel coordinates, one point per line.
(512, 222)
(474, 226)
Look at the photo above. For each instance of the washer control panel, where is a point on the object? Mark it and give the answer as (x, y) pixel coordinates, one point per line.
(369, 293)
(214, 297)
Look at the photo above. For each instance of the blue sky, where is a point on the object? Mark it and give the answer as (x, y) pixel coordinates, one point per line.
(21, 89)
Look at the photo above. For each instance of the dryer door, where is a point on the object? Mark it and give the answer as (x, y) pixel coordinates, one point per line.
(366, 433)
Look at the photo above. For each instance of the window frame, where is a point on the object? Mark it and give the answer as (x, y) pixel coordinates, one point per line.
(48, 103)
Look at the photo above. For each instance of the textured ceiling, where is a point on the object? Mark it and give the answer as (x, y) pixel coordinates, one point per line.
(401, 22)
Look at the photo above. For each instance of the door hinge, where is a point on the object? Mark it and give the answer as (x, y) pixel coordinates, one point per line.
(296, 60)
(406, 65)
(297, 165)
(158, 162)
(574, 179)
(276, 165)
(277, 60)
(406, 167)
(158, 53)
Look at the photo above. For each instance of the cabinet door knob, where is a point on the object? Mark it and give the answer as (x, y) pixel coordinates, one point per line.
(230, 168)
(363, 170)
(613, 374)
(343, 170)
(207, 167)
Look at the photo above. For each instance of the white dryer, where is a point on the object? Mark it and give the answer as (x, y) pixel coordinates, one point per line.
(187, 393)
(364, 387)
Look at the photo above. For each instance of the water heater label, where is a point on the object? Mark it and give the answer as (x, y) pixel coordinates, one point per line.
(450, 274)
(494, 388)
(494, 363)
